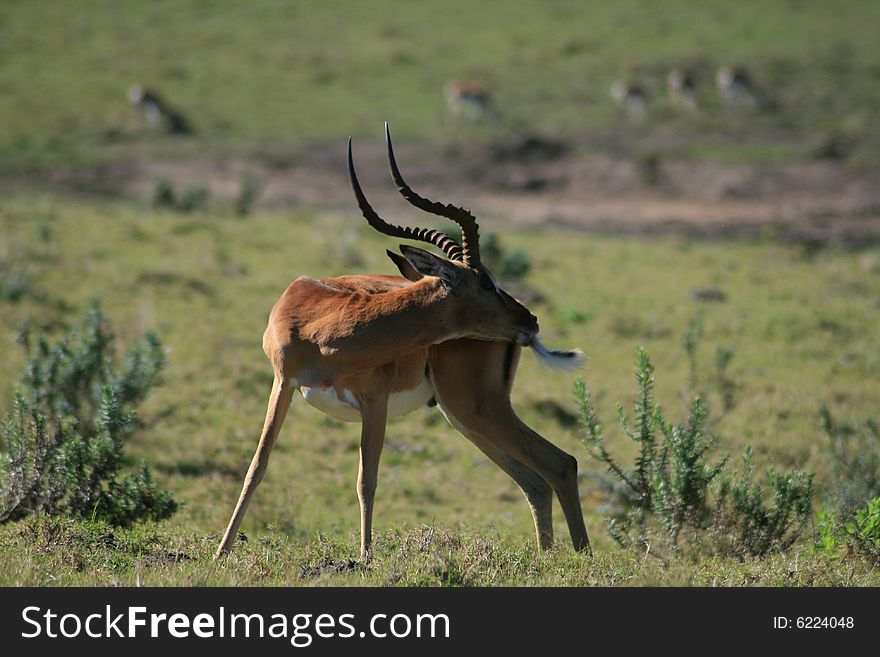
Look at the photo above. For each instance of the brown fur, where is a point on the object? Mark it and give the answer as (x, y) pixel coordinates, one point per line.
(374, 336)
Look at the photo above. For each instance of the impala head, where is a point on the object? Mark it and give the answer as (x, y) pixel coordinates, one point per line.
(484, 309)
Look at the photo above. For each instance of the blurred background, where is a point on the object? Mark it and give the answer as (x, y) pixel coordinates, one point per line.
(698, 178)
(575, 111)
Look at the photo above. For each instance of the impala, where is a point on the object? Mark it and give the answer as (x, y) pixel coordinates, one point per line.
(682, 89)
(370, 347)
(155, 114)
(630, 98)
(469, 100)
(736, 88)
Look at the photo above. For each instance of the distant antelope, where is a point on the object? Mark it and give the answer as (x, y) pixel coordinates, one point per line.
(630, 98)
(682, 89)
(371, 347)
(155, 113)
(469, 101)
(736, 88)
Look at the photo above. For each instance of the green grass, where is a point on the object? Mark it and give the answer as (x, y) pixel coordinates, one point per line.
(804, 325)
(281, 73)
(46, 553)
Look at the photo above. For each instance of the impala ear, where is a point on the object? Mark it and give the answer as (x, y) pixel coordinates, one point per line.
(407, 270)
(428, 264)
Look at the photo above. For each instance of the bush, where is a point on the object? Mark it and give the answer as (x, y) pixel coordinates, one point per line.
(698, 382)
(248, 194)
(14, 285)
(163, 195)
(61, 447)
(673, 491)
(670, 477)
(850, 523)
(855, 461)
(745, 525)
(859, 534)
(193, 198)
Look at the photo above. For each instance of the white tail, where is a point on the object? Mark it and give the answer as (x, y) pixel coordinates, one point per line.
(558, 360)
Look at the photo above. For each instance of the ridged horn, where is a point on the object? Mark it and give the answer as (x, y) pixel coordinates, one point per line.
(443, 241)
(470, 237)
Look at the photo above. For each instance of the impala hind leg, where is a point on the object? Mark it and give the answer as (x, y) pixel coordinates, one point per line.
(472, 381)
(557, 467)
(374, 414)
(534, 487)
(506, 433)
(279, 402)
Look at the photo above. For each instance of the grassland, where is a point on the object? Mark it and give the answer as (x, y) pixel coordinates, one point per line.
(264, 81)
(276, 73)
(804, 325)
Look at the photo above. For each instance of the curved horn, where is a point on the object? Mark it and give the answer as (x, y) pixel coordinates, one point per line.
(470, 238)
(448, 245)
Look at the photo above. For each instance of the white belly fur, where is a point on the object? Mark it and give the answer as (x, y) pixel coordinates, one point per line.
(345, 407)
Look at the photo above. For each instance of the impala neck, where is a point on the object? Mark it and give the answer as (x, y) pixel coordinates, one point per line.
(399, 322)
(422, 313)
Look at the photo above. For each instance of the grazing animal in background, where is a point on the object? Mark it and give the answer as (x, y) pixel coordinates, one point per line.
(736, 88)
(155, 114)
(370, 347)
(469, 101)
(630, 98)
(682, 90)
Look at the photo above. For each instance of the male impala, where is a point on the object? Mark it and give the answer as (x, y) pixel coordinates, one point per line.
(366, 348)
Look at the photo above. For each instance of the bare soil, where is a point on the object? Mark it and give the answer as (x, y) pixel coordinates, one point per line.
(528, 181)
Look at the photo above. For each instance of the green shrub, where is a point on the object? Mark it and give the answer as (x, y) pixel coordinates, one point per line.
(247, 194)
(726, 385)
(163, 195)
(854, 449)
(745, 524)
(61, 447)
(859, 534)
(700, 383)
(14, 285)
(670, 477)
(850, 522)
(193, 198)
(673, 491)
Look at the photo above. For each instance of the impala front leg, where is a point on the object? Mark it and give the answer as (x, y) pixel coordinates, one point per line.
(374, 413)
(279, 402)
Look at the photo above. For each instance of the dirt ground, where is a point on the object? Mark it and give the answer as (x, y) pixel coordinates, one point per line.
(530, 181)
